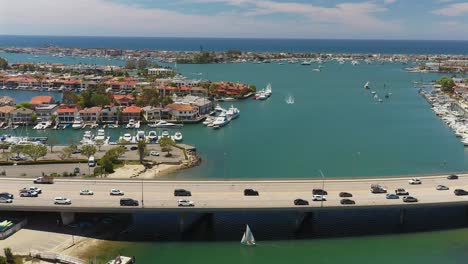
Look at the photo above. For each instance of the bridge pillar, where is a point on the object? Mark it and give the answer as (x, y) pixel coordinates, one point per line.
(304, 222)
(67, 218)
(189, 224)
(402, 219)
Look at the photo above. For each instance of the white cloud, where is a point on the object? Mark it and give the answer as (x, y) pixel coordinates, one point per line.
(458, 9)
(387, 2)
(107, 18)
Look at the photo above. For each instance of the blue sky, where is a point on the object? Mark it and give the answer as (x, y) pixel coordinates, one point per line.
(356, 19)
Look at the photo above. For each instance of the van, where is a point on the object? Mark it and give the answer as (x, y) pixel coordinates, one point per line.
(91, 162)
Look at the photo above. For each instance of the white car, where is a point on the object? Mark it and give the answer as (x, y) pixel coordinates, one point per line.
(183, 202)
(6, 200)
(86, 192)
(61, 200)
(415, 181)
(116, 192)
(154, 153)
(33, 189)
(318, 197)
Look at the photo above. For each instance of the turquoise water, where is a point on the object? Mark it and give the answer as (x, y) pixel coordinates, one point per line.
(334, 126)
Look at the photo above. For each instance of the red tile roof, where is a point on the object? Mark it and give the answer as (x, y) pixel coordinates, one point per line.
(94, 109)
(180, 107)
(132, 109)
(42, 99)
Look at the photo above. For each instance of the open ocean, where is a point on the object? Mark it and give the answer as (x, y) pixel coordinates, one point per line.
(257, 45)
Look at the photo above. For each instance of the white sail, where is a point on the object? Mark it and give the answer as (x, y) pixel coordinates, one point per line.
(248, 238)
(366, 86)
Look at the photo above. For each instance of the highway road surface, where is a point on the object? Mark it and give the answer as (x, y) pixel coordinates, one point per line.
(226, 195)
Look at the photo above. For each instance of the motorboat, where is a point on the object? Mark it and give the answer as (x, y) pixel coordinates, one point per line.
(219, 109)
(221, 121)
(164, 124)
(232, 112)
(127, 137)
(305, 63)
(87, 138)
(137, 124)
(316, 70)
(262, 96)
(208, 120)
(177, 136)
(77, 124)
(152, 136)
(140, 136)
(131, 124)
(165, 134)
(367, 85)
(101, 135)
(268, 90)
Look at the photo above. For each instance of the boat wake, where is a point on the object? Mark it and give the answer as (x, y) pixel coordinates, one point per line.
(289, 100)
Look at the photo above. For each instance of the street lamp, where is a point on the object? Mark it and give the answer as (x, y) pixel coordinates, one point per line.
(323, 187)
(142, 200)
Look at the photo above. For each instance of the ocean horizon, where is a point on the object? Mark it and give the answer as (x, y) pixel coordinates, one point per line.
(296, 45)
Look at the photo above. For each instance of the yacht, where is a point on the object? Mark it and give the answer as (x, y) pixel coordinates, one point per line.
(77, 124)
(87, 138)
(268, 90)
(137, 124)
(131, 124)
(140, 136)
(101, 135)
(177, 136)
(262, 96)
(221, 121)
(152, 136)
(305, 63)
(354, 62)
(219, 109)
(165, 134)
(208, 120)
(163, 123)
(127, 137)
(233, 112)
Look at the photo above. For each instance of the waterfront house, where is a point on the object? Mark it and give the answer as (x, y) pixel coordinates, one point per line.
(151, 113)
(110, 114)
(123, 100)
(183, 112)
(41, 99)
(5, 113)
(167, 90)
(91, 114)
(6, 100)
(118, 84)
(45, 112)
(66, 114)
(160, 72)
(203, 105)
(22, 116)
(131, 112)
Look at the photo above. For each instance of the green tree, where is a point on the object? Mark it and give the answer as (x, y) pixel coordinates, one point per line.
(114, 154)
(24, 105)
(99, 143)
(167, 100)
(131, 64)
(51, 142)
(70, 97)
(3, 260)
(10, 259)
(3, 64)
(141, 150)
(17, 149)
(107, 164)
(35, 151)
(88, 150)
(166, 145)
(446, 83)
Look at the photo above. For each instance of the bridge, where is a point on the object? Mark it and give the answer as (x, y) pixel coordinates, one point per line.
(217, 195)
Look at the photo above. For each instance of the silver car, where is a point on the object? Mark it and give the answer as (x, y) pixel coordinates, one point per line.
(6, 200)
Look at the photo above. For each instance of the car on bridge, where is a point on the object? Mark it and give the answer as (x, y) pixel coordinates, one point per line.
(5, 200)
(392, 196)
(319, 192)
(460, 192)
(182, 192)
(185, 203)
(377, 188)
(319, 197)
(128, 202)
(6, 195)
(410, 199)
(301, 202)
(442, 188)
(28, 194)
(452, 177)
(62, 201)
(401, 191)
(345, 194)
(33, 189)
(86, 192)
(347, 201)
(415, 181)
(116, 192)
(250, 192)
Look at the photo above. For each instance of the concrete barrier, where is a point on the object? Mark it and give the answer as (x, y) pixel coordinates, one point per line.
(15, 228)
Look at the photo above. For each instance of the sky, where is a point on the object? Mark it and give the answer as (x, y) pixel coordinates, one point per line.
(335, 19)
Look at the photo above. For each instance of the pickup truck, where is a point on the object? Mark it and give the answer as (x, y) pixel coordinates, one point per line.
(44, 180)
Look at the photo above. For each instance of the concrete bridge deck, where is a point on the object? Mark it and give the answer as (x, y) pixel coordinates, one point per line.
(211, 196)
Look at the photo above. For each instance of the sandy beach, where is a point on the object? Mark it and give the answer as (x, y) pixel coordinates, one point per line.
(139, 171)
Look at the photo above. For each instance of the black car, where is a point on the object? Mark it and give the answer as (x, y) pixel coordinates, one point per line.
(300, 202)
(133, 148)
(250, 192)
(182, 192)
(345, 194)
(460, 192)
(347, 201)
(76, 151)
(128, 202)
(319, 192)
(452, 177)
(6, 195)
(410, 199)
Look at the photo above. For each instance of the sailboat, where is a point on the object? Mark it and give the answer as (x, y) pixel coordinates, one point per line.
(248, 238)
(366, 86)
(290, 100)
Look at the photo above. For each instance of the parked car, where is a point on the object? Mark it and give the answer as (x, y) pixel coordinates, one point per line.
(116, 192)
(452, 177)
(76, 170)
(5, 200)
(319, 197)
(182, 192)
(347, 201)
(460, 192)
(76, 151)
(86, 192)
(18, 158)
(28, 194)
(415, 181)
(410, 199)
(62, 200)
(6, 195)
(300, 202)
(401, 191)
(250, 192)
(133, 148)
(442, 188)
(128, 202)
(185, 203)
(154, 153)
(392, 196)
(376, 188)
(345, 194)
(319, 192)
